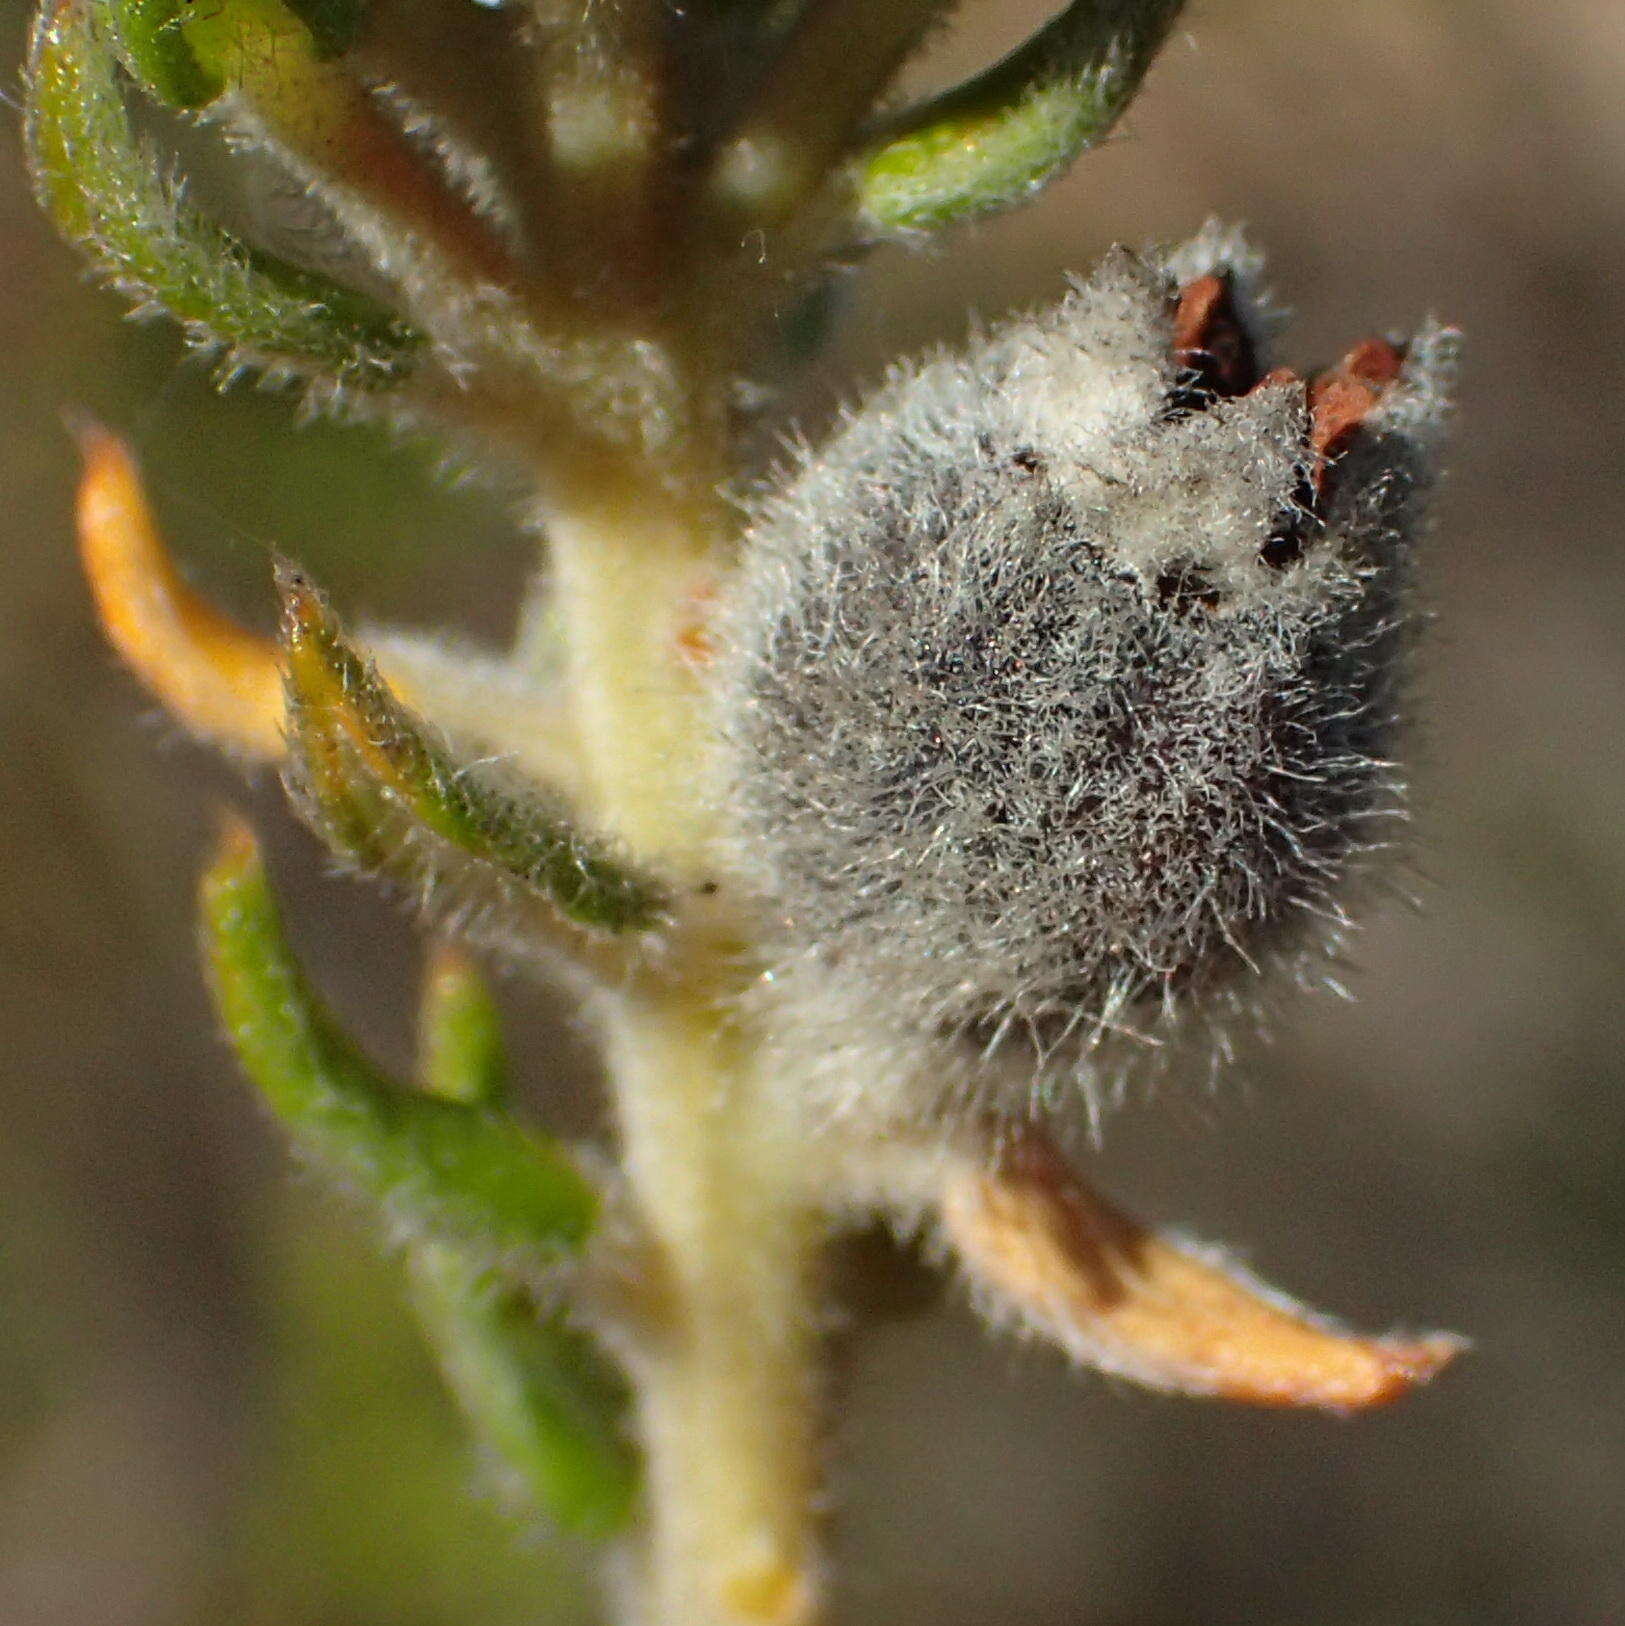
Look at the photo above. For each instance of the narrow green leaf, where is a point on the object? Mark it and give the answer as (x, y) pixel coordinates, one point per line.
(459, 1037)
(453, 1170)
(534, 1389)
(387, 795)
(992, 142)
(109, 192)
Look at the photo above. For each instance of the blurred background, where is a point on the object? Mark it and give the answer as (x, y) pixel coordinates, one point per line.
(212, 1408)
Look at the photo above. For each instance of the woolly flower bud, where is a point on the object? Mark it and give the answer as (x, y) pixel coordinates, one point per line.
(1059, 689)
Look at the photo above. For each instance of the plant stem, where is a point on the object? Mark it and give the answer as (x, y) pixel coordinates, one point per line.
(632, 565)
(726, 1392)
(725, 1387)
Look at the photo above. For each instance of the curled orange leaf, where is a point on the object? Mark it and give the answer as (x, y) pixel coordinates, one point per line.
(217, 678)
(1040, 1247)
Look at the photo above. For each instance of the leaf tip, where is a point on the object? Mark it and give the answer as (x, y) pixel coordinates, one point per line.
(216, 678)
(459, 1035)
(1045, 1250)
(235, 866)
(1401, 1365)
(236, 847)
(304, 609)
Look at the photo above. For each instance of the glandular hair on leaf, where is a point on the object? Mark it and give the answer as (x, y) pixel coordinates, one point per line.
(1059, 691)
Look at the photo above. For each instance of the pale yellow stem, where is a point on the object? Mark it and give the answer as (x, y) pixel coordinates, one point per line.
(726, 1395)
(631, 571)
(724, 1370)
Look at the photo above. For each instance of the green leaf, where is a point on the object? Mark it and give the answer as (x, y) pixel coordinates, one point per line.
(468, 1184)
(534, 1389)
(457, 1171)
(385, 794)
(992, 142)
(459, 1037)
(109, 192)
(186, 53)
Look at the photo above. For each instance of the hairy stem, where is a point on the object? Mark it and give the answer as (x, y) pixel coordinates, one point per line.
(724, 1378)
(725, 1385)
(632, 571)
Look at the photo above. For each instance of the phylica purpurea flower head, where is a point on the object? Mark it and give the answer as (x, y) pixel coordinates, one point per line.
(1060, 686)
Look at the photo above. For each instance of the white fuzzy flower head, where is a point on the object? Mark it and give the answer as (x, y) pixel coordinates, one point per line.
(1059, 692)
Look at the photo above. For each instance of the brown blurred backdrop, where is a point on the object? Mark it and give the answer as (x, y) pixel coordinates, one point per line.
(211, 1408)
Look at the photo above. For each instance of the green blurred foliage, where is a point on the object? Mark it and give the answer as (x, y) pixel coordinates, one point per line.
(366, 1507)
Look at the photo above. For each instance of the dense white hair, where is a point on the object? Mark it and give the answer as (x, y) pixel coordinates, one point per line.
(1059, 693)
